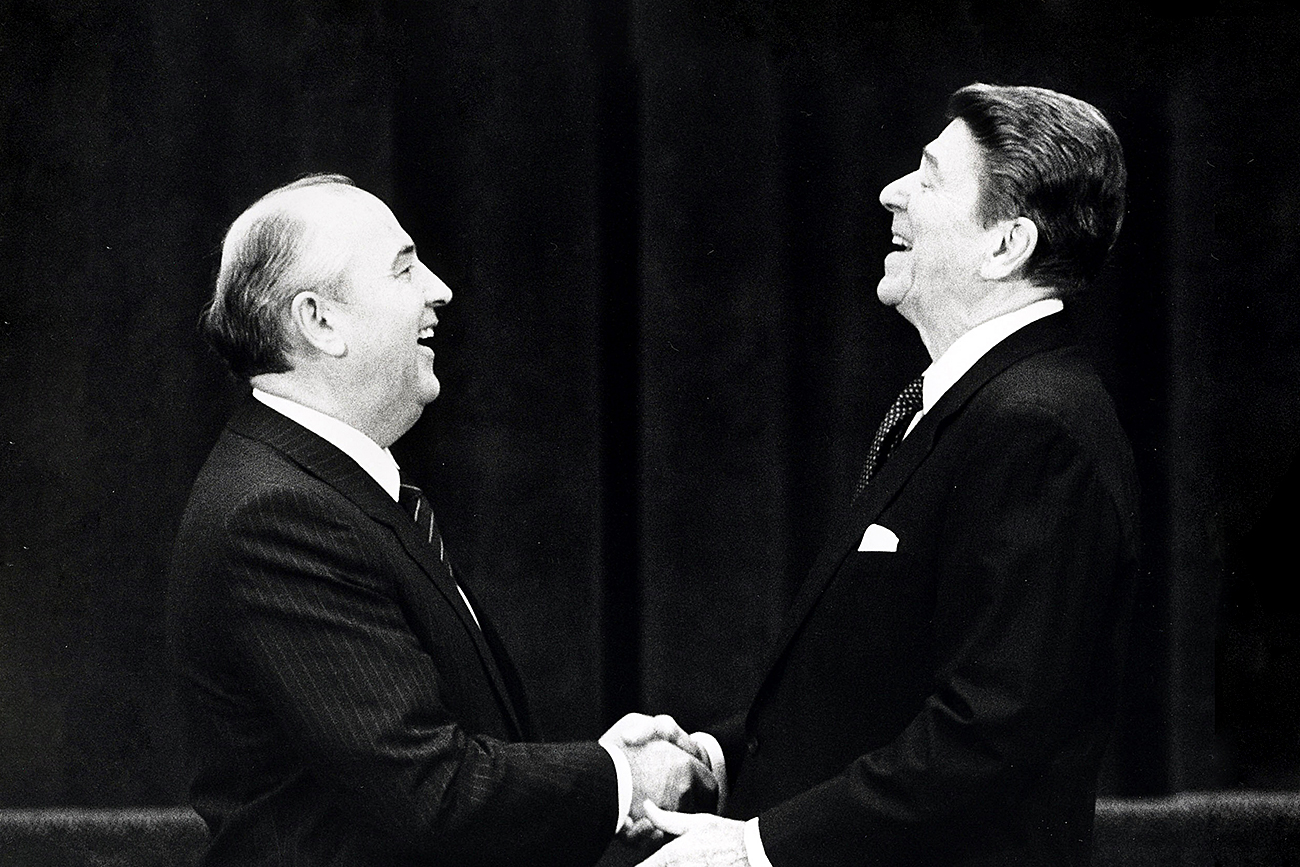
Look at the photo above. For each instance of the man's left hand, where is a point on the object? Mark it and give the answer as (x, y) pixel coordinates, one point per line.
(702, 840)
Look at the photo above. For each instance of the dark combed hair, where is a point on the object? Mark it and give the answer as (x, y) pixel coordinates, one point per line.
(264, 264)
(1055, 160)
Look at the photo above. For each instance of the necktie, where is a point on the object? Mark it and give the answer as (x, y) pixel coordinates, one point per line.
(417, 506)
(890, 432)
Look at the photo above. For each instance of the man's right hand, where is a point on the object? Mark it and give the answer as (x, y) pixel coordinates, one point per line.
(667, 767)
(667, 775)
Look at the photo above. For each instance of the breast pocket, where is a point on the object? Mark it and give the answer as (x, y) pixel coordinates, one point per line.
(875, 567)
(878, 537)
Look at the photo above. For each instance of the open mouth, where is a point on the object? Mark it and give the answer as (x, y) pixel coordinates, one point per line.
(426, 337)
(901, 243)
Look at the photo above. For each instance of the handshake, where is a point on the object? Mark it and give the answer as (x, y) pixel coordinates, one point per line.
(668, 768)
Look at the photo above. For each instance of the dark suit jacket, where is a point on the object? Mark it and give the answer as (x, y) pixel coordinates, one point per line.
(949, 703)
(342, 707)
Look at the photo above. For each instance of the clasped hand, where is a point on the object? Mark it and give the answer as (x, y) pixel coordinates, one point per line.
(668, 769)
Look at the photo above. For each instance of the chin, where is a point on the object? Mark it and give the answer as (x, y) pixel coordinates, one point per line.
(890, 293)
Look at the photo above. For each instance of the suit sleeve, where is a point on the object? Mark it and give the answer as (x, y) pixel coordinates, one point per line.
(730, 735)
(1026, 569)
(315, 624)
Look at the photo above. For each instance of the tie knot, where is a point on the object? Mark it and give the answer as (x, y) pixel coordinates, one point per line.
(909, 401)
(418, 507)
(412, 500)
(911, 396)
(906, 405)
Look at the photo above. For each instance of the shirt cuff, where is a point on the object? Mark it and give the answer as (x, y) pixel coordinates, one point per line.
(754, 845)
(717, 762)
(624, 772)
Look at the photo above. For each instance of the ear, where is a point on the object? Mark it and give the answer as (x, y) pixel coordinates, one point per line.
(1014, 242)
(317, 322)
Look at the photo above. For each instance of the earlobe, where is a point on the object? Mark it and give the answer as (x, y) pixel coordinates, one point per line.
(317, 324)
(1016, 242)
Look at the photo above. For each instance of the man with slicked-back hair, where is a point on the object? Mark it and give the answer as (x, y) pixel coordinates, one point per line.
(945, 686)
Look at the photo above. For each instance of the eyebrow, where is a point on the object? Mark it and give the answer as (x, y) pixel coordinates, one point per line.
(928, 156)
(408, 250)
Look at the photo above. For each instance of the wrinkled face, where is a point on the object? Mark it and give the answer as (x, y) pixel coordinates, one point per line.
(390, 304)
(935, 228)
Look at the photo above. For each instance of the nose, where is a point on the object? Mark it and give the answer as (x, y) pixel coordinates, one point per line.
(436, 292)
(895, 194)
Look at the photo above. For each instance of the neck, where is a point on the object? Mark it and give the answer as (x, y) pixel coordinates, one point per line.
(941, 329)
(326, 396)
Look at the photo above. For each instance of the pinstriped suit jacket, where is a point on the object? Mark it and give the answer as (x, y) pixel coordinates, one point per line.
(341, 705)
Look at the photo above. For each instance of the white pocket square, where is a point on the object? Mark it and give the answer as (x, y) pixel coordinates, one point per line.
(878, 538)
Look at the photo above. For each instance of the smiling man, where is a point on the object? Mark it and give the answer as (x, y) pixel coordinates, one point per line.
(347, 701)
(946, 683)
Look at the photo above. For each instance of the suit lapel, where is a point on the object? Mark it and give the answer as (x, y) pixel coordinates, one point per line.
(1050, 332)
(321, 459)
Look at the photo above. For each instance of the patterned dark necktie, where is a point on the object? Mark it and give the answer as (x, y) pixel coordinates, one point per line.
(890, 432)
(417, 506)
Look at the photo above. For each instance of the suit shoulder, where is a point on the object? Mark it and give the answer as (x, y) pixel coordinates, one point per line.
(1060, 395)
(1052, 380)
(249, 494)
(1060, 388)
(243, 472)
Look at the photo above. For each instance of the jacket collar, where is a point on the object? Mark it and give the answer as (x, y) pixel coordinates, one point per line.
(324, 461)
(319, 458)
(1050, 332)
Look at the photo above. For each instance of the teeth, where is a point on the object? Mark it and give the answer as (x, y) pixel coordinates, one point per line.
(900, 242)
(426, 332)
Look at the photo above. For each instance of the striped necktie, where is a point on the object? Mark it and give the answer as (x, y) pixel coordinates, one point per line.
(890, 432)
(417, 506)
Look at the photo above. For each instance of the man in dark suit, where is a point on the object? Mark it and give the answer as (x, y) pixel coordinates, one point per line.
(347, 700)
(945, 687)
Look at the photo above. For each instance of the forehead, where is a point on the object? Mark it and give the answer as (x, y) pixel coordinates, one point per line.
(351, 220)
(954, 155)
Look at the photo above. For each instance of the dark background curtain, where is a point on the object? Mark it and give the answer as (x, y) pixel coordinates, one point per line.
(664, 357)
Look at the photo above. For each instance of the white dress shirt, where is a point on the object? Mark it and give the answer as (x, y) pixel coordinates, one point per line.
(940, 376)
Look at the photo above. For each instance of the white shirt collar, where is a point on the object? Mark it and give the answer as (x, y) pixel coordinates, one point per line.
(975, 344)
(377, 462)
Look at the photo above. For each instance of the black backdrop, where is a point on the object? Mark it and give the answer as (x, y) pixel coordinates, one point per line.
(664, 354)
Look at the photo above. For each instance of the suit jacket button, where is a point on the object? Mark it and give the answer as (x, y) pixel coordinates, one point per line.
(751, 746)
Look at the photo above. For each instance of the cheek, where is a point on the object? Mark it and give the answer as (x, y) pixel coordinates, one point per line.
(944, 245)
